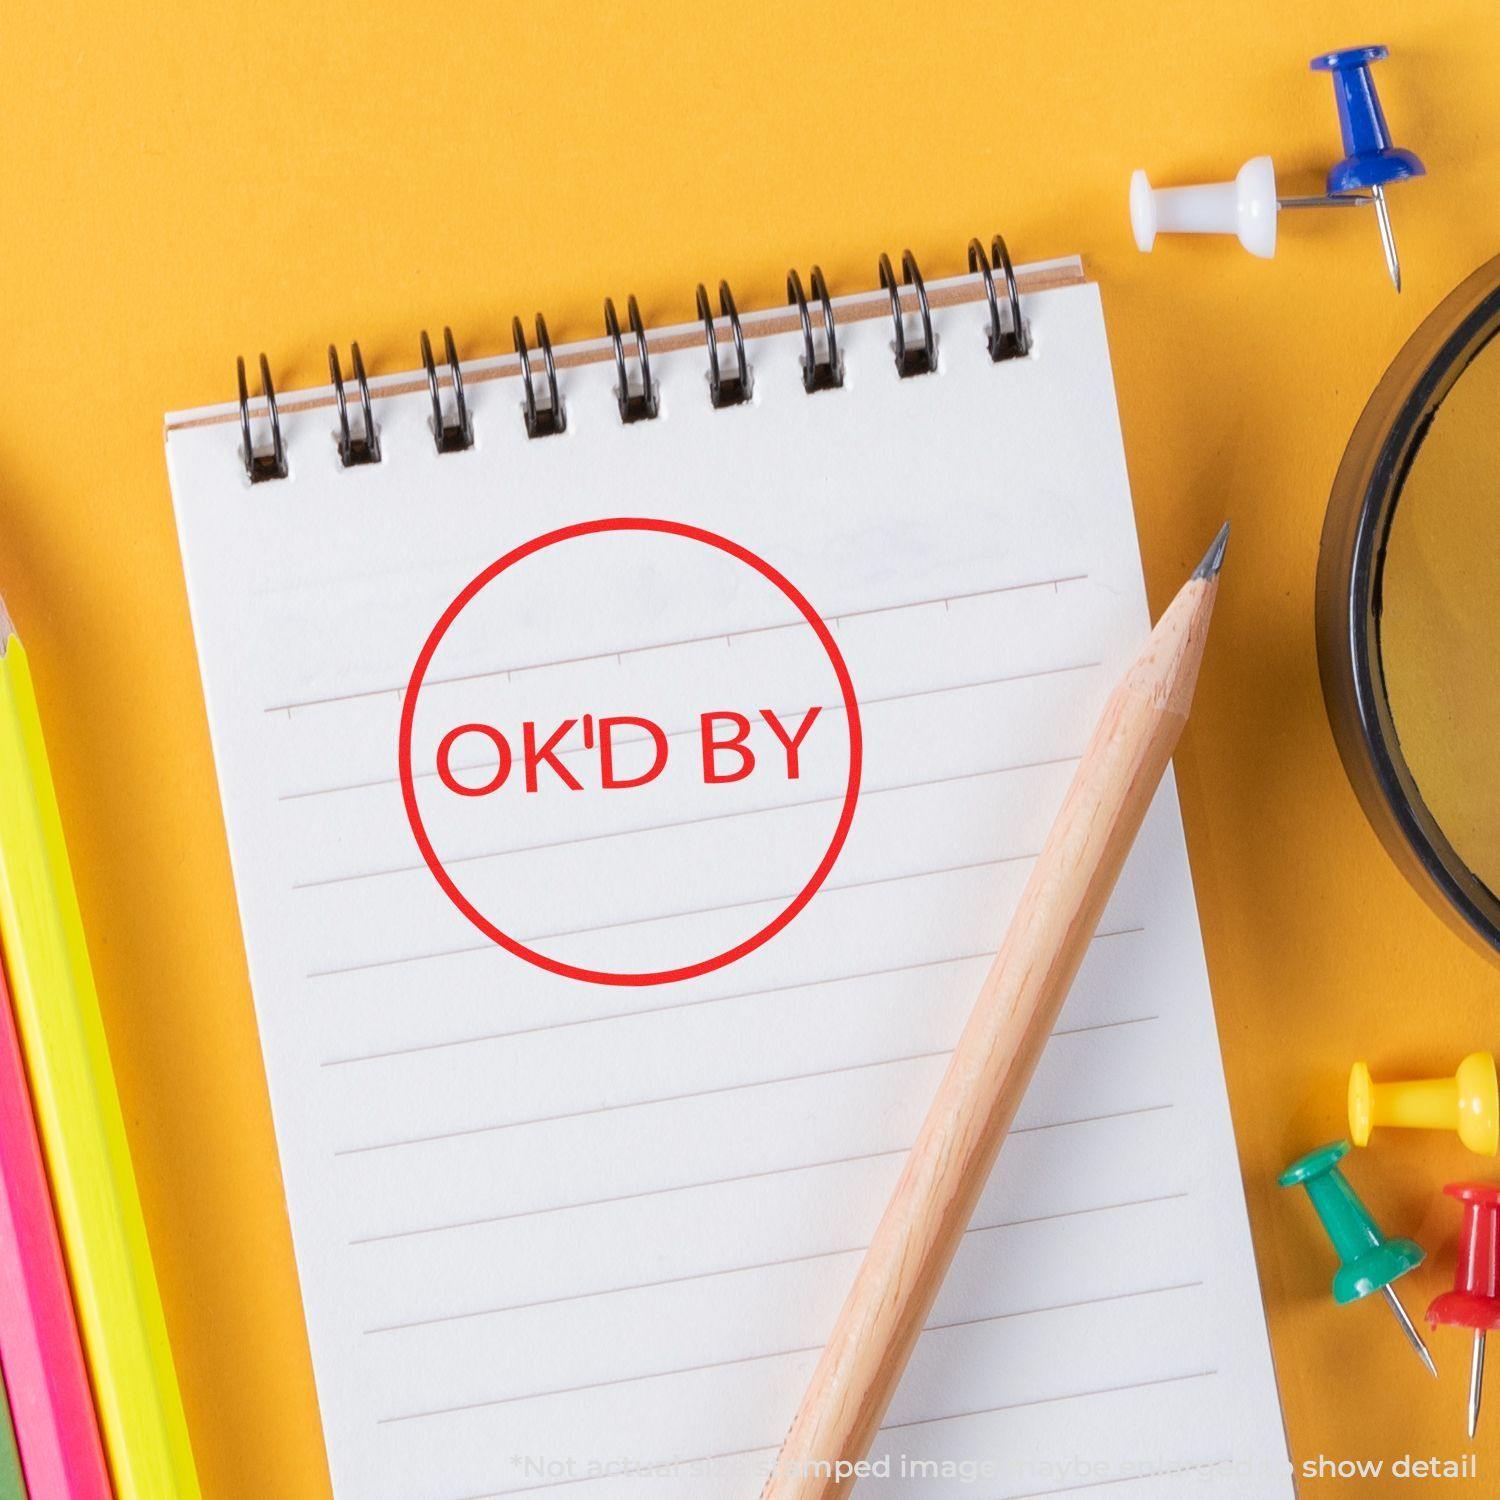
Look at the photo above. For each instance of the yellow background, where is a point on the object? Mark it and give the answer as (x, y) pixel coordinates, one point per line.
(184, 183)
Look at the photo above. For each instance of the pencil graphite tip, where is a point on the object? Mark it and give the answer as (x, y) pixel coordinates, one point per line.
(1213, 559)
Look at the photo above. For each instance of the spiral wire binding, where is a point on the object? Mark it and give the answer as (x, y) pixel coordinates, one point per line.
(918, 359)
(541, 421)
(635, 406)
(1005, 343)
(826, 374)
(259, 466)
(1007, 337)
(458, 435)
(364, 449)
(725, 390)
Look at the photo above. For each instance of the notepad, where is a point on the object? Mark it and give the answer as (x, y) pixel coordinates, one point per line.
(566, 1226)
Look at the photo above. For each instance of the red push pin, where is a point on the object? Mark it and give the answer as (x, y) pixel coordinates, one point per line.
(1474, 1301)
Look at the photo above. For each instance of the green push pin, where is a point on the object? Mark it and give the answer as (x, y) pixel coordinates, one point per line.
(1369, 1261)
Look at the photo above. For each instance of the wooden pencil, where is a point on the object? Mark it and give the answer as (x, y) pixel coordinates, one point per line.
(78, 1115)
(1016, 1010)
(46, 1380)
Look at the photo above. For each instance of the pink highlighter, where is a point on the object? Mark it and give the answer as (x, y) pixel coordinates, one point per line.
(46, 1379)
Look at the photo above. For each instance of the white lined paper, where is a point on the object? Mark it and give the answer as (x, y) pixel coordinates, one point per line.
(544, 1225)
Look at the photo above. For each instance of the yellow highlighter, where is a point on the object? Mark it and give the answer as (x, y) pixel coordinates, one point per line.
(78, 1115)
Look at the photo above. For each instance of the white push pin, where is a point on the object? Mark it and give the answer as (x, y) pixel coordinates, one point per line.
(1245, 208)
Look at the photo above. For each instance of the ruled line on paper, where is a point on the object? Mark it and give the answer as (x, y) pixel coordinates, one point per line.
(659, 1010)
(746, 1359)
(694, 640)
(667, 916)
(660, 1192)
(771, 1449)
(764, 1265)
(764, 1172)
(418, 866)
(1109, 1390)
(926, 1055)
(671, 734)
(699, 1004)
(609, 1109)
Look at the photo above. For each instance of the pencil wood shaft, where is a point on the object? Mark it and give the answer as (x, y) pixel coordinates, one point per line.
(1017, 1007)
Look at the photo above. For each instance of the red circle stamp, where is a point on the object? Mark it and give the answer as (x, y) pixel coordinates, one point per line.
(419, 677)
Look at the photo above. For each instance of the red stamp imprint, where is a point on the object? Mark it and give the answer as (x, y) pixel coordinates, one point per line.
(678, 786)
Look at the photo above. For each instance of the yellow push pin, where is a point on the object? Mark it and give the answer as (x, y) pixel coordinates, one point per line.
(1469, 1103)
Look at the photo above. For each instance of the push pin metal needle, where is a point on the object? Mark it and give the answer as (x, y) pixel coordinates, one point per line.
(1369, 1262)
(1409, 1329)
(1246, 207)
(1474, 1302)
(1370, 160)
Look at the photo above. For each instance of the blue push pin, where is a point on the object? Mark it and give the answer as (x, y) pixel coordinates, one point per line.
(1370, 160)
